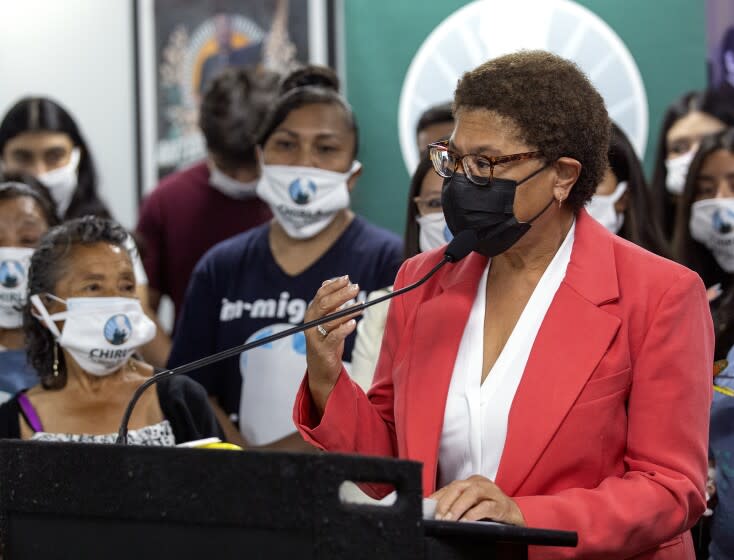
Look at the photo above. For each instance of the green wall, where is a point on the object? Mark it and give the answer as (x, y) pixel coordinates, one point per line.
(666, 38)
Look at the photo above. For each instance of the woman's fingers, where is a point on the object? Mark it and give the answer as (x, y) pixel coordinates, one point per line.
(331, 325)
(331, 302)
(485, 509)
(467, 499)
(448, 495)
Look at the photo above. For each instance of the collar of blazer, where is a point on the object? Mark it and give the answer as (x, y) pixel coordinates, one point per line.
(572, 340)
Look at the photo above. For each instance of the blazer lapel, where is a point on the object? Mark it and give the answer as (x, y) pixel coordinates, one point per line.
(572, 340)
(439, 327)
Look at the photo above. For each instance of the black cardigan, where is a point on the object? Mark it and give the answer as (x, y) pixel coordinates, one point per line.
(182, 400)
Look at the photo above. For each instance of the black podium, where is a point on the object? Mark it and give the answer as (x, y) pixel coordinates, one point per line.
(104, 501)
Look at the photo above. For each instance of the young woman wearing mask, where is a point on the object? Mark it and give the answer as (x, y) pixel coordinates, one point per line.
(261, 281)
(704, 241)
(425, 229)
(685, 123)
(621, 202)
(704, 235)
(40, 138)
(26, 213)
(83, 326)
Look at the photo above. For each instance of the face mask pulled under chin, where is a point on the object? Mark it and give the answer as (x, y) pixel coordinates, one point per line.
(676, 172)
(304, 200)
(601, 208)
(100, 333)
(712, 225)
(14, 263)
(229, 186)
(487, 209)
(62, 181)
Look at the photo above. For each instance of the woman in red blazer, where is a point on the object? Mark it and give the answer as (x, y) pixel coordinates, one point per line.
(606, 428)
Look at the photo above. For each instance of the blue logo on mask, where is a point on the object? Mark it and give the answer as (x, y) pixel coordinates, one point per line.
(723, 219)
(11, 274)
(302, 191)
(117, 329)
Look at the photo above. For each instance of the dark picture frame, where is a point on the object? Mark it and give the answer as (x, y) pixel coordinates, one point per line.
(180, 44)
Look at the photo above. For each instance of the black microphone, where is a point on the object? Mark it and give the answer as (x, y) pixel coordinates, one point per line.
(459, 247)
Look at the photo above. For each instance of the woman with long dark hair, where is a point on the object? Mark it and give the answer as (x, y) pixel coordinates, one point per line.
(685, 123)
(39, 137)
(704, 241)
(622, 202)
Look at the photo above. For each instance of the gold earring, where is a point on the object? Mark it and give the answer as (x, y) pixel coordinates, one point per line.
(560, 203)
(56, 359)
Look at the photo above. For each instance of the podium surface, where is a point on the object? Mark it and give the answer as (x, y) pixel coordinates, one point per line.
(61, 500)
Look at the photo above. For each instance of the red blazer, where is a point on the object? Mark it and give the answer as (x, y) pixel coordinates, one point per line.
(608, 431)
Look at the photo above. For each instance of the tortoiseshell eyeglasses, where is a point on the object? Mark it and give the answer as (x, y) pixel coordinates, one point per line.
(478, 169)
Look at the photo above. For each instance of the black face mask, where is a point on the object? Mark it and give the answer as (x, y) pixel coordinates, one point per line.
(486, 209)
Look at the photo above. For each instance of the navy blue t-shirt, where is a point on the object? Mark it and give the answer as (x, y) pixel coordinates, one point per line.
(238, 293)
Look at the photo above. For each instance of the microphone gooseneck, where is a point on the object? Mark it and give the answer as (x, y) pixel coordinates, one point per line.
(459, 247)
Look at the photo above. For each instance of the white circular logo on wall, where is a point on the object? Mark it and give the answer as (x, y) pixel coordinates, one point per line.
(487, 29)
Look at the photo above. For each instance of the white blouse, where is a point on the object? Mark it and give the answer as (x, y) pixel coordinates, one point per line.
(475, 418)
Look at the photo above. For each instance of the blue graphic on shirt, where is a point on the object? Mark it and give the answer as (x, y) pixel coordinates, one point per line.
(12, 274)
(117, 329)
(239, 293)
(302, 191)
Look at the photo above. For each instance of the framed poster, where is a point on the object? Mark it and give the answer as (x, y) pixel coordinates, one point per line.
(182, 44)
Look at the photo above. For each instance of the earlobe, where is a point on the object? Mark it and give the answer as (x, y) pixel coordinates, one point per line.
(352, 181)
(567, 173)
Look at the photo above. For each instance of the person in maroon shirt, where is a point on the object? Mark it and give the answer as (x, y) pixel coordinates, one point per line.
(194, 209)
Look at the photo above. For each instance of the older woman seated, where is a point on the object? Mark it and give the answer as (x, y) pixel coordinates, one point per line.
(83, 326)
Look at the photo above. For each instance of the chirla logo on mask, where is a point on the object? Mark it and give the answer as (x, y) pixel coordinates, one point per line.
(11, 274)
(722, 220)
(117, 330)
(302, 191)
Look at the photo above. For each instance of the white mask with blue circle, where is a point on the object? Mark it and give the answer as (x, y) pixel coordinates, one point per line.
(304, 200)
(712, 224)
(100, 333)
(434, 232)
(14, 262)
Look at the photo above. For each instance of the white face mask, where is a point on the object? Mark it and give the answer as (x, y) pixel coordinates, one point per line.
(712, 224)
(304, 200)
(434, 232)
(676, 172)
(601, 208)
(62, 181)
(229, 186)
(14, 263)
(100, 333)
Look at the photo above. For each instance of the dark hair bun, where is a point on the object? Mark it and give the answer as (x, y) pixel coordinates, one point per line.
(311, 75)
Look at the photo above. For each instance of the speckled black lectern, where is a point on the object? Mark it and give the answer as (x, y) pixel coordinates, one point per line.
(106, 501)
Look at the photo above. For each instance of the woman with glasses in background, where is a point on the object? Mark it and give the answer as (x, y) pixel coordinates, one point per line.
(425, 229)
